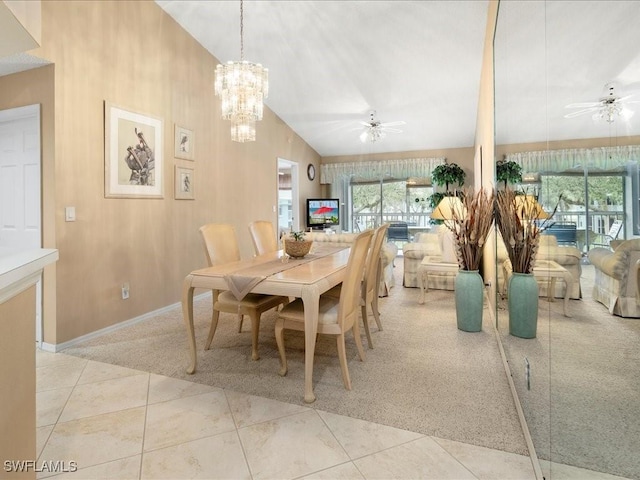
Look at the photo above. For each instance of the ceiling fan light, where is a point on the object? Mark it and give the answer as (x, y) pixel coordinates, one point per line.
(626, 114)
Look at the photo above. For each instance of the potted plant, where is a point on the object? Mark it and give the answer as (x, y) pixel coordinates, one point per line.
(469, 220)
(296, 245)
(446, 174)
(508, 172)
(521, 221)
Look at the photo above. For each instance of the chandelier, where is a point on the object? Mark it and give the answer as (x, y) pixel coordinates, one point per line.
(242, 87)
(375, 130)
(372, 133)
(612, 106)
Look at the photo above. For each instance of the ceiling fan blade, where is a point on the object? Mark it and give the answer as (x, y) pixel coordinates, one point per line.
(580, 112)
(583, 105)
(393, 124)
(392, 130)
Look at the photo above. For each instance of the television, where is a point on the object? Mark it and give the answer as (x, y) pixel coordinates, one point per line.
(323, 213)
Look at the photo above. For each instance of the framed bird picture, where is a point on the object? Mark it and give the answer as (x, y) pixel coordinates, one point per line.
(184, 187)
(184, 143)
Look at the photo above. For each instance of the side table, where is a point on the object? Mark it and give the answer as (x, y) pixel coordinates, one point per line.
(432, 265)
(547, 270)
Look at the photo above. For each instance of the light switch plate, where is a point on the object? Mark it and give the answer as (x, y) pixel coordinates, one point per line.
(69, 214)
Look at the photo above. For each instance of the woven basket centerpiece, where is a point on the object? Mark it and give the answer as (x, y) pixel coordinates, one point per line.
(297, 248)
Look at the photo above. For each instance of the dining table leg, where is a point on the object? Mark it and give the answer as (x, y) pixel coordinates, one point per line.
(311, 301)
(187, 316)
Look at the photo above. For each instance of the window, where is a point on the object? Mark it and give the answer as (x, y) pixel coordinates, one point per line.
(373, 203)
(593, 202)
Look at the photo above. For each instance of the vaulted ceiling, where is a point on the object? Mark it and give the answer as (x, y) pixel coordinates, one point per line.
(332, 62)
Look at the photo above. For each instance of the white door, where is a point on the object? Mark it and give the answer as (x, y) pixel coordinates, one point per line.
(20, 219)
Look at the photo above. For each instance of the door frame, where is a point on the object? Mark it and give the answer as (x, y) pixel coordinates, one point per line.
(20, 113)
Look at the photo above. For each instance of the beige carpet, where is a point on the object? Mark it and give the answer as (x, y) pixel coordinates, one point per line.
(423, 375)
(583, 408)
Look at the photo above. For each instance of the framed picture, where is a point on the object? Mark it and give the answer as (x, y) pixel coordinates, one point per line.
(184, 143)
(184, 183)
(133, 155)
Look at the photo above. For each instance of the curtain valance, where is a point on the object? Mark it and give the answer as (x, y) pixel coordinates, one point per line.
(375, 170)
(600, 159)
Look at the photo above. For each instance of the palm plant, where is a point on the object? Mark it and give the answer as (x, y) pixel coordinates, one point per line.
(521, 221)
(470, 222)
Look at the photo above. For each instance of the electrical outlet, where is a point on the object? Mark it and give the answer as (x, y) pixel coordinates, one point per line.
(125, 291)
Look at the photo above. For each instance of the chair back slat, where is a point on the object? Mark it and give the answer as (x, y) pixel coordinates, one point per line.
(372, 265)
(263, 236)
(351, 290)
(220, 243)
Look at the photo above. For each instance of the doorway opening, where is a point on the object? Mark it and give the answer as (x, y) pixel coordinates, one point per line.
(20, 187)
(288, 199)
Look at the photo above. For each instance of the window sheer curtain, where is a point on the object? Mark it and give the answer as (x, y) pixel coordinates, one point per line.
(402, 169)
(600, 159)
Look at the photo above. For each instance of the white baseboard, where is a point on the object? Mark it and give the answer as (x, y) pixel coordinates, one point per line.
(58, 347)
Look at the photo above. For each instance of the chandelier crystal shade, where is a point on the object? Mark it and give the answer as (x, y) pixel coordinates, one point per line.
(242, 87)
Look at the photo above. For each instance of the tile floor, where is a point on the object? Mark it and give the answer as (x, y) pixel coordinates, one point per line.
(119, 423)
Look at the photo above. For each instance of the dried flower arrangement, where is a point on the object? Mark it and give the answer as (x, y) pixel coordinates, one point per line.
(521, 221)
(470, 222)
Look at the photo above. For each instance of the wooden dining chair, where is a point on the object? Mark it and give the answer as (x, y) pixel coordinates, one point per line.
(221, 246)
(370, 282)
(263, 236)
(336, 316)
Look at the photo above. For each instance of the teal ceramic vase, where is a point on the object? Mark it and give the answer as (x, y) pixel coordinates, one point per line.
(522, 292)
(469, 300)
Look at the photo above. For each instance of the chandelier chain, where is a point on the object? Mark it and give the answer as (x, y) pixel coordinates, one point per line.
(241, 30)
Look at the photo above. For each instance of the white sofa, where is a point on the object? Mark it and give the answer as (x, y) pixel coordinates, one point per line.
(616, 277)
(387, 255)
(424, 245)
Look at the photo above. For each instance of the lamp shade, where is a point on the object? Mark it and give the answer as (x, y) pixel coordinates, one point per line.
(448, 209)
(528, 207)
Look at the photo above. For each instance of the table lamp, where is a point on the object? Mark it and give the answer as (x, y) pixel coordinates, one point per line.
(449, 208)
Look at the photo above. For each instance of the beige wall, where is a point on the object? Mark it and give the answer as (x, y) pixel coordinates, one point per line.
(18, 381)
(135, 56)
(29, 88)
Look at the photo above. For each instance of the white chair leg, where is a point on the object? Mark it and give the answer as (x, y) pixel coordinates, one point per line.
(280, 342)
(365, 321)
(212, 330)
(356, 334)
(255, 331)
(342, 355)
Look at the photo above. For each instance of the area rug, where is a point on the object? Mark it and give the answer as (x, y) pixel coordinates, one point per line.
(423, 374)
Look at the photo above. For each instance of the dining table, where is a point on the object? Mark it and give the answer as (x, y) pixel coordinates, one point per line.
(274, 273)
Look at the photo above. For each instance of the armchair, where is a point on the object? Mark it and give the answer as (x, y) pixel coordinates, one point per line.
(616, 277)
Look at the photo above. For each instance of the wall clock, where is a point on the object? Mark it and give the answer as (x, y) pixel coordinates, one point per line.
(311, 172)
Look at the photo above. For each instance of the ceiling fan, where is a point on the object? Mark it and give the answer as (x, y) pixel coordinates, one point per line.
(609, 106)
(375, 130)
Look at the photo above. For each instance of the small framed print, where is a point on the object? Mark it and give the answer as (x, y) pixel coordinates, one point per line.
(184, 143)
(184, 183)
